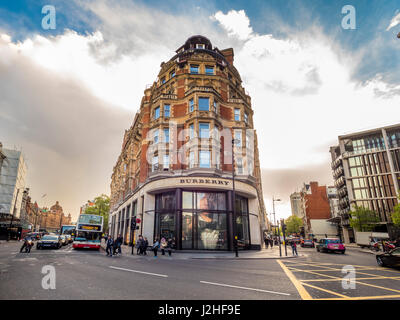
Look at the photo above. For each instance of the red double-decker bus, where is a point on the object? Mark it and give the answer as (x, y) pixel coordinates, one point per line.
(89, 230)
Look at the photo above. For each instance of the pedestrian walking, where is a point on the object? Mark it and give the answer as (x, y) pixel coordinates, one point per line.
(155, 247)
(145, 245)
(294, 248)
(139, 245)
(120, 241)
(266, 241)
(109, 246)
(170, 245)
(163, 245)
(115, 246)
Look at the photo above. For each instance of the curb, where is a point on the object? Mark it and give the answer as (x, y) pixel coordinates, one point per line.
(244, 258)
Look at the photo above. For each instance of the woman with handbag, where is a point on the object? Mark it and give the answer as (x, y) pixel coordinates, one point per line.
(163, 245)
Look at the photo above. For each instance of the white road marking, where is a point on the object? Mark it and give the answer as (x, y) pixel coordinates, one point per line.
(25, 259)
(136, 271)
(244, 288)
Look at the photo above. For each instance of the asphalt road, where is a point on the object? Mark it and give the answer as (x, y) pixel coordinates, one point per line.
(93, 275)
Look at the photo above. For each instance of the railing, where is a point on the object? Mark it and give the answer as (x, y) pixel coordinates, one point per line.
(336, 163)
(202, 89)
(235, 100)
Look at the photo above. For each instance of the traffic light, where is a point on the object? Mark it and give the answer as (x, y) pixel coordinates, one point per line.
(283, 225)
(133, 223)
(302, 232)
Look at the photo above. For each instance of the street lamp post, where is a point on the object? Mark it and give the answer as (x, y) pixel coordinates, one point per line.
(235, 238)
(279, 236)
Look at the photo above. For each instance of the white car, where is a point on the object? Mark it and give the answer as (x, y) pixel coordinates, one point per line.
(64, 240)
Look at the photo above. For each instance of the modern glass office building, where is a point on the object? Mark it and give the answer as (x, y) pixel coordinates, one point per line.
(366, 170)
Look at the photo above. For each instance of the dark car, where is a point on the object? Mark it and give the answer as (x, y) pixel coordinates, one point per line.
(389, 259)
(307, 243)
(330, 245)
(49, 241)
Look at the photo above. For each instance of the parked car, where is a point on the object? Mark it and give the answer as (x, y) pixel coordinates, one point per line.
(49, 241)
(68, 238)
(294, 239)
(330, 245)
(307, 243)
(389, 259)
(64, 240)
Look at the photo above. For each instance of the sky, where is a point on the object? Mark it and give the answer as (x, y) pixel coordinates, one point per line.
(67, 94)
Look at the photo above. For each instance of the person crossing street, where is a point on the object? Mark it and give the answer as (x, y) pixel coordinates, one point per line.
(109, 246)
(294, 248)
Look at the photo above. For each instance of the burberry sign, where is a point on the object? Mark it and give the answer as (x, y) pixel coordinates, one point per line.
(204, 181)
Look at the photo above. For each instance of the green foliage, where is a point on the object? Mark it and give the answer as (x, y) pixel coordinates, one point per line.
(101, 207)
(293, 224)
(363, 219)
(396, 214)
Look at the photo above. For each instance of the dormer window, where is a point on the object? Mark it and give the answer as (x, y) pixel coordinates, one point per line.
(194, 69)
(200, 46)
(209, 70)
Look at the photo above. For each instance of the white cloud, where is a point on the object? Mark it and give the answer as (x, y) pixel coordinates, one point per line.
(394, 22)
(236, 23)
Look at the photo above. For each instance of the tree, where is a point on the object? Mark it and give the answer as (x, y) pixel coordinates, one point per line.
(101, 207)
(396, 214)
(363, 219)
(293, 224)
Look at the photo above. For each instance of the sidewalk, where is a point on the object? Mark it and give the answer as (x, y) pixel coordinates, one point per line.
(220, 255)
(358, 248)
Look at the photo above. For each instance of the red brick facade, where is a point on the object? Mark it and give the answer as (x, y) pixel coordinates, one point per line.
(316, 203)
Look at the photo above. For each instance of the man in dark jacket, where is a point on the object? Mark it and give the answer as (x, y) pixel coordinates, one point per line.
(119, 241)
(109, 246)
(170, 245)
(139, 245)
(145, 244)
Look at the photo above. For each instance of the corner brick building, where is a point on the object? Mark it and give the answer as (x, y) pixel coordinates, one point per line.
(316, 211)
(175, 168)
